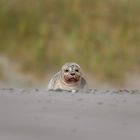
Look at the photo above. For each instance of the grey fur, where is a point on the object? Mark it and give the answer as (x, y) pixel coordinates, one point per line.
(53, 81)
(56, 81)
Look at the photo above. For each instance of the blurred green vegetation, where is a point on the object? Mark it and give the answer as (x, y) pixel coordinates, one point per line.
(102, 36)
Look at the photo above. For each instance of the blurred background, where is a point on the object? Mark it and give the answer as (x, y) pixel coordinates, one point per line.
(38, 36)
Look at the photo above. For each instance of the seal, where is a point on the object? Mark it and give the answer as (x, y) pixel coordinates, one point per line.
(69, 78)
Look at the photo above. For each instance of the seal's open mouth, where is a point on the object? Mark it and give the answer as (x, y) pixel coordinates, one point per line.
(71, 79)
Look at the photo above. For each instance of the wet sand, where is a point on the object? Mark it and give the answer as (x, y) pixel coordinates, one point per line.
(37, 114)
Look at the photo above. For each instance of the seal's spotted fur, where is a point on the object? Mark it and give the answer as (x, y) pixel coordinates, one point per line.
(68, 78)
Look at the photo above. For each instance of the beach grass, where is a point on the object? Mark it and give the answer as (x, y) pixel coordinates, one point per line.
(102, 36)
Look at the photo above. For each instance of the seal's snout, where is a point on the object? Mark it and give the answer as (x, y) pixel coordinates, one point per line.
(72, 74)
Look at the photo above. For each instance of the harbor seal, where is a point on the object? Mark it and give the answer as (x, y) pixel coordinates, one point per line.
(69, 78)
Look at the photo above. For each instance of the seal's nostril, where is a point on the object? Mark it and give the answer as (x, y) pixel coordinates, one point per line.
(72, 74)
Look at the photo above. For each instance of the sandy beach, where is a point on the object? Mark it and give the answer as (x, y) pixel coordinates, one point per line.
(37, 114)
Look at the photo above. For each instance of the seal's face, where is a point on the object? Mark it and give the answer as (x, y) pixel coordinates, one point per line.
(71, 73)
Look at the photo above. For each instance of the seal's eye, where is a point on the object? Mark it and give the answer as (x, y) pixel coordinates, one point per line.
(66, 70)
(77, 70)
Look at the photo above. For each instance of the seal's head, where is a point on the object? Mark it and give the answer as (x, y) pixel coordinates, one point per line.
(71, 73)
